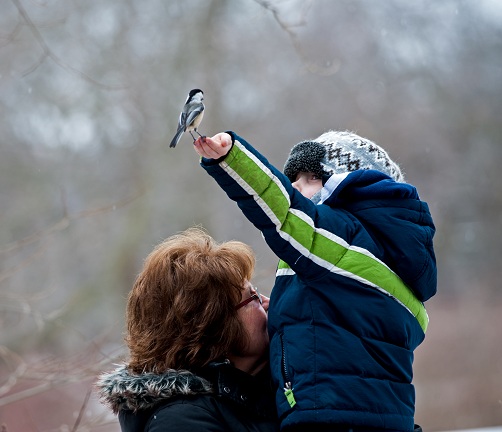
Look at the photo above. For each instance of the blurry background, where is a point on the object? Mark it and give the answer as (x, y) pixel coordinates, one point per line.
(90, 93)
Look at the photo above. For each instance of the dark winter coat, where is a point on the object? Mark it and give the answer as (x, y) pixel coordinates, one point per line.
(346, 310)
(220, 398)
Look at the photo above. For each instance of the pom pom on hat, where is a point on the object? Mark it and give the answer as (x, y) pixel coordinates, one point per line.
(339, 152)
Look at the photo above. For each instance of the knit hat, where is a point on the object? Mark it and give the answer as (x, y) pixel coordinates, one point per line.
(339, 152)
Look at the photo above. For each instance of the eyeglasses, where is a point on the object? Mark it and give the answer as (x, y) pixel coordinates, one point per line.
(255, 296)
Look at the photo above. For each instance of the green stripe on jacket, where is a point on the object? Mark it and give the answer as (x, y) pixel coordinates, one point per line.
(320, 246)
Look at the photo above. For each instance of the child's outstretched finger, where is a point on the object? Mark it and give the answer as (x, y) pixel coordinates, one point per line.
(206, 148)
(213, 147)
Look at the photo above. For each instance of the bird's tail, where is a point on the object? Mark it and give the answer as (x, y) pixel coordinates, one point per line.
(176, 138)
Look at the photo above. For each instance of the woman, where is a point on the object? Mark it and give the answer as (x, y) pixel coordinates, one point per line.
(198, 342)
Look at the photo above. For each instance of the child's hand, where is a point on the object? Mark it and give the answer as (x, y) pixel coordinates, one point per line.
(215, 147)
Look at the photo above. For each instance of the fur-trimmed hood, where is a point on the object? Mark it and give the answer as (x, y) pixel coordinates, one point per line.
(123, 390)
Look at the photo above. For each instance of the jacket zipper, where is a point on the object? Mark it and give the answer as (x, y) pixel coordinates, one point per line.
(288, 389)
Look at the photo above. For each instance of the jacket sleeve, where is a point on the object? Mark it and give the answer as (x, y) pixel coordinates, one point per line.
(291, 224)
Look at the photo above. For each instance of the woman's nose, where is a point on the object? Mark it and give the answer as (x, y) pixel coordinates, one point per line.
(265, 301)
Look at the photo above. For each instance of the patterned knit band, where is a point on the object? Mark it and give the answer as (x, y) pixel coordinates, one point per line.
(339, 152)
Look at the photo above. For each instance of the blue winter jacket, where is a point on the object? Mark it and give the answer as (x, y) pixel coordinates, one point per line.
(346, 311)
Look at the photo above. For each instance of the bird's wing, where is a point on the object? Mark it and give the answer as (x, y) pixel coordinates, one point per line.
(193, 115)
(182, 120)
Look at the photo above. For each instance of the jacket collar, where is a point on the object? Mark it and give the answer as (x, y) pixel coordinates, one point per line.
(123, 390)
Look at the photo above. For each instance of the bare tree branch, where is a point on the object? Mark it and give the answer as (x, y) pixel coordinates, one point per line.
(325, 69)
(14, 269)
(49, 373)
(13, 361)
(82, 409)
(11, 36)
(48, 53)
(65, 222)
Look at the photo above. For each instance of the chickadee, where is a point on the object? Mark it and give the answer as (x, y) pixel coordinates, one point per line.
(191, 116)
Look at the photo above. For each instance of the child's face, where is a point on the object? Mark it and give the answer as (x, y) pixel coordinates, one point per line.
(307, 184)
